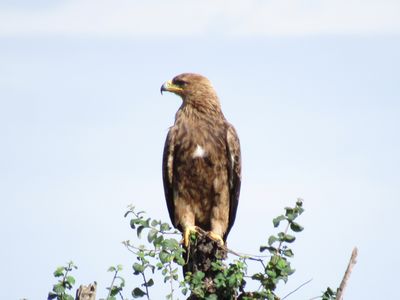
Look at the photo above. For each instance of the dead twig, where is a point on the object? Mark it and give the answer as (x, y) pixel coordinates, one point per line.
(296, 289)
(86, 292)
(343, 284)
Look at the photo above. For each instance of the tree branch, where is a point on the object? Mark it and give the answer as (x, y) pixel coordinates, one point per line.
(86, 292)
(296, 289)
(343, 284)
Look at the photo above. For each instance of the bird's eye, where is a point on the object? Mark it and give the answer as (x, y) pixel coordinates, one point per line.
(179, 82)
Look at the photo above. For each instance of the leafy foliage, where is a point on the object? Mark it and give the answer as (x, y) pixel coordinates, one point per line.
(65, 283)
(278, 268)
(163, 253)
(227, 283)
(115, 289)
(329, 294)
(229, 280)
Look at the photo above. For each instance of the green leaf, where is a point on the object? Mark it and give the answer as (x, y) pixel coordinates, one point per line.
(154, 223)
(274, 259)
(127, 213)
(282, 264)
(111, 269)
(137, 293)
(139, 231)
(170, 244)
(138, 268)
(58, 289)
(288, 252)
(272, 239)
(165, 227)
(152, 235)
(157, 242)
(258, 276)
(296, 227)
(70, 280)
(114, 291)
(271, 296)
(290, 216)
(288, 210)
(164, 257)
(193, 237)
(289, 238)
(51, 296)
(146, 223)
(71, 266)
(329, 294)
(271, 273)
(299, 202)
(179, 260)
(269, 248)
(284, 278)
(277, 220)
(217, 266)
(132, 223)
(149, 283)
(198, 276)
(59, 272)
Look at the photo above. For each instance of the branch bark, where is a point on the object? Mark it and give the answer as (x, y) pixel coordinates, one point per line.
(86, 292)
(350, 266)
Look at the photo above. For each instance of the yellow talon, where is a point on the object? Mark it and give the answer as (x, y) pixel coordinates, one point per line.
(216, 237)
(186, 234)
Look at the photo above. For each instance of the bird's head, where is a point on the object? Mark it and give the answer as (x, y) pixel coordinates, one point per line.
(193, 88)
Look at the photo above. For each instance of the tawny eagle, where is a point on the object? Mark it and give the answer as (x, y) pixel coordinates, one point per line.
(201, 161)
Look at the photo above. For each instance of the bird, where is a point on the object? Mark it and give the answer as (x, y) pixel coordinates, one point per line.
(201, 166)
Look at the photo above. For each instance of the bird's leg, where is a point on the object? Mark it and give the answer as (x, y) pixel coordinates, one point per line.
(216, 237)
(186, 234)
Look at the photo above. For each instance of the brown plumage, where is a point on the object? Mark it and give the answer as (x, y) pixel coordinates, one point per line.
(201, 161)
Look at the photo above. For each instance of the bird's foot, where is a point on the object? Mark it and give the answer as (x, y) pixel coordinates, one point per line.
(186, 234)
(216, 237)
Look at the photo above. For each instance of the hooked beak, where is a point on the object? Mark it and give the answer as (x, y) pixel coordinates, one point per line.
(168, 86)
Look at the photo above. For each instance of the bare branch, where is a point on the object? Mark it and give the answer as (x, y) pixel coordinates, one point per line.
(343, 284)
(86, 292)
(296, 289)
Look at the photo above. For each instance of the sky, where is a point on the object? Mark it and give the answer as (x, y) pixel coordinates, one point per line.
(312, 87)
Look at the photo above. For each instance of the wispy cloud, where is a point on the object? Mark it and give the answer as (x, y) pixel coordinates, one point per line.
(180, 18)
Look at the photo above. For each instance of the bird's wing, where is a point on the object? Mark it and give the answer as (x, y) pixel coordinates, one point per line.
(234, 174)
(167, 172)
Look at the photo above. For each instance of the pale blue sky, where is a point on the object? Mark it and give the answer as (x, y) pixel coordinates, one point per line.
(83, 125)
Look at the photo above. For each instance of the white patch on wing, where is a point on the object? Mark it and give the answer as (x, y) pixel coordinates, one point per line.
(169, 167)
(199, 152)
